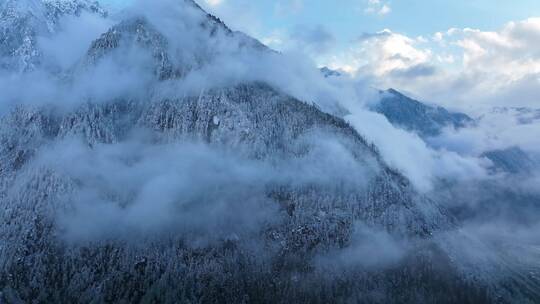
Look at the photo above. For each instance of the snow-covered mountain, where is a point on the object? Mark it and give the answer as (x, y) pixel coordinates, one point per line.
(410, 114)
(235, 193)
(512, 160)
(430, 121)
(418, 117)
(329, 72)
(21, 21)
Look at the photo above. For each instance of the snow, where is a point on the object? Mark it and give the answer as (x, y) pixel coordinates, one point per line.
(311, 176)
(215, 120)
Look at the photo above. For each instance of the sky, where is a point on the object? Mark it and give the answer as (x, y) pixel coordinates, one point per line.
(349, 18)
(466, 55)
(463, 54)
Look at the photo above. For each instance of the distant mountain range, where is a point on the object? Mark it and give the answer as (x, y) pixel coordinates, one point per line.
(429, 121)
(418, 117)
(512, 160)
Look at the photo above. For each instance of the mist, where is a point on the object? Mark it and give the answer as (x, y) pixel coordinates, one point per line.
(66, 79)
(156, 126)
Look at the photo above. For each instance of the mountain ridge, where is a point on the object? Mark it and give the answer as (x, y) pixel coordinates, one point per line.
(22, 21)
(418, 117)
(209, 197)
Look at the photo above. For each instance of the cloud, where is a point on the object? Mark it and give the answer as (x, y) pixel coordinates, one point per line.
(315, 39)
(416, 71)
(378, 7)
(76, 31)
(369, 249)
(132, 190)
(128, 72)
(411, 155)
(460, 68)
(214, 2)
(239, 15)
(367, 36)
(495, 130)
(385, 9)
(384, 52)
(138, 188)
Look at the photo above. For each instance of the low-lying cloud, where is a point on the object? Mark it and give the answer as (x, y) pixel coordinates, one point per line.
(136, 189)
(139, 189)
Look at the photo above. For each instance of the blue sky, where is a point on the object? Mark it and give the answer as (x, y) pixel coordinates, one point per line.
(349, 18)
(447, 52)
(458, 53)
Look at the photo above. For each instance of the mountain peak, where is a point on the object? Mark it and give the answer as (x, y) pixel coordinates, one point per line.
(327, 72)
(416, 116)
(394, 92)
(48, 9)
(138, 32)
(21, 21)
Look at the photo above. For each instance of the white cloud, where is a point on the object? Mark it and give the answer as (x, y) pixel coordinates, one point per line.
(495, 130)
(465, 68)
(385, 9)
(383, 53)
(377, 7)
(410, 155)
(512, 52)
(275, 40)
(214, 2)
(239, 15)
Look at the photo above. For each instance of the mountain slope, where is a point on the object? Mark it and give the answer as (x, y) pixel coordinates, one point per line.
(429, 121)
(512, 160)
(417, 117)
(253, 120)
(21, 21)
(232, 194)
